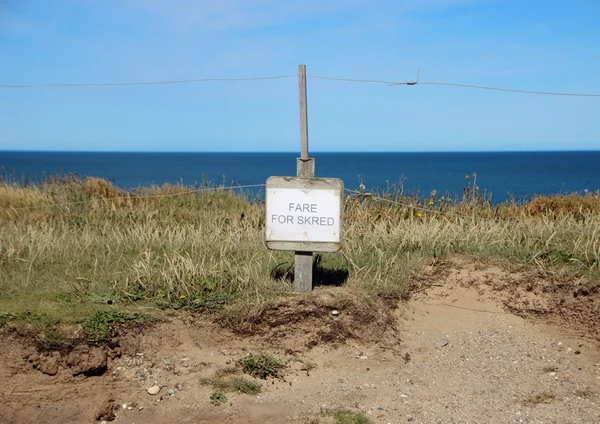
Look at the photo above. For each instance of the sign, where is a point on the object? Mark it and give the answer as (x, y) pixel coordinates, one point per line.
(304, 214)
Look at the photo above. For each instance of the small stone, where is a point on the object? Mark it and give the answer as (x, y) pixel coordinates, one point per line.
(409, 418)
(577, 352)
(443, 343)
(335, 313)
(171, 392)
(153, 390)
(179, 386)
(552, 373)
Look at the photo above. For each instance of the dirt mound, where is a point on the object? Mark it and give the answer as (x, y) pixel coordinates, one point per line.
(528, 292)
(328, 317)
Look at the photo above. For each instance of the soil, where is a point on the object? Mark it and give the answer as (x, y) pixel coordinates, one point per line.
(474, 343)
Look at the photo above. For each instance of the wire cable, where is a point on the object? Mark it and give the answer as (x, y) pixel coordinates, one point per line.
(480, 218)
(376, 81)
(481, 87)
(509, 90)
(275, 77)
(119, 84)
(151, 196)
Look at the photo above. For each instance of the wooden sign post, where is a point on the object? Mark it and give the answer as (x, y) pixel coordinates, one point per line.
(304, 213)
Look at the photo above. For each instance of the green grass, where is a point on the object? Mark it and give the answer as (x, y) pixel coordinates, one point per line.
(234, 384)
(344, 416)
(73, 248)
(262, 366)
(218, 398)
(97, 328)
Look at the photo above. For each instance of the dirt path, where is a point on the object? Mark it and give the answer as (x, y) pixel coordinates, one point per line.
(461, 358)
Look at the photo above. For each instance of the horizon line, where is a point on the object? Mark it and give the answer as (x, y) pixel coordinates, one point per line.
(294, 152)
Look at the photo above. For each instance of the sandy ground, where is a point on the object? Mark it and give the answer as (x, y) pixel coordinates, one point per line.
(456, 355)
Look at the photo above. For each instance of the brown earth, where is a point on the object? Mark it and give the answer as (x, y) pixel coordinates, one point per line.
(475, 343)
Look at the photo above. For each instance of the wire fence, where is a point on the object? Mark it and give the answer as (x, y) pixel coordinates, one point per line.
(150, 196)
(357, 193)
(460, 216)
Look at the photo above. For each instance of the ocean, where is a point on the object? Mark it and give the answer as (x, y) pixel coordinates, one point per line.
(520, 175)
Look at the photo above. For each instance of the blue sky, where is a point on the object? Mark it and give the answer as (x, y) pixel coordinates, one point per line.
(547, 45)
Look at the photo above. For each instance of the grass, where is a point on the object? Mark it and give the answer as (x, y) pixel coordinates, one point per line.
(97, 328)
(73, 248)
(262, 366)
(308, 366)
(539, 398)
(549, 368)
(234, 384)
(218, 398)
(344, 416)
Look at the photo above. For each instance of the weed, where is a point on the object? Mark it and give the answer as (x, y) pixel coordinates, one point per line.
(244, 386)
(550, 368)
(97, 329)
(237, 384)
(218, 398)
(308, 366)
(262, 366)
(344, 416)
(5, 318)
(539, 398)
(52, 336)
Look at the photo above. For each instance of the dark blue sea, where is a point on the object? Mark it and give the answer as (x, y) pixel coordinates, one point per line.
(519, 174)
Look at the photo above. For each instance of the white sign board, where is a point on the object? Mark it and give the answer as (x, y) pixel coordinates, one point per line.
(304, 214)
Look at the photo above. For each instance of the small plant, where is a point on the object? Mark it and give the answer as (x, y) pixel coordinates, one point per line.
(5, 318)
(244, 386)
(543, 397)
(344, 416)
(218, 398)
(97, 328)
(262, 366)
(308, 366)
(550, 368)
(52, 336)
(239, 385)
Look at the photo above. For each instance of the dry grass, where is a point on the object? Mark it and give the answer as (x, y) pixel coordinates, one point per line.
(70, 247)
(240, 385)
(539, 398)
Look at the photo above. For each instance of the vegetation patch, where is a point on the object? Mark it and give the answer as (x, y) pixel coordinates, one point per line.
(539, 398)
(98, 328)
(218, 398)
(262, 366)
(69, 246)
(345, 416)
(235, 384)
